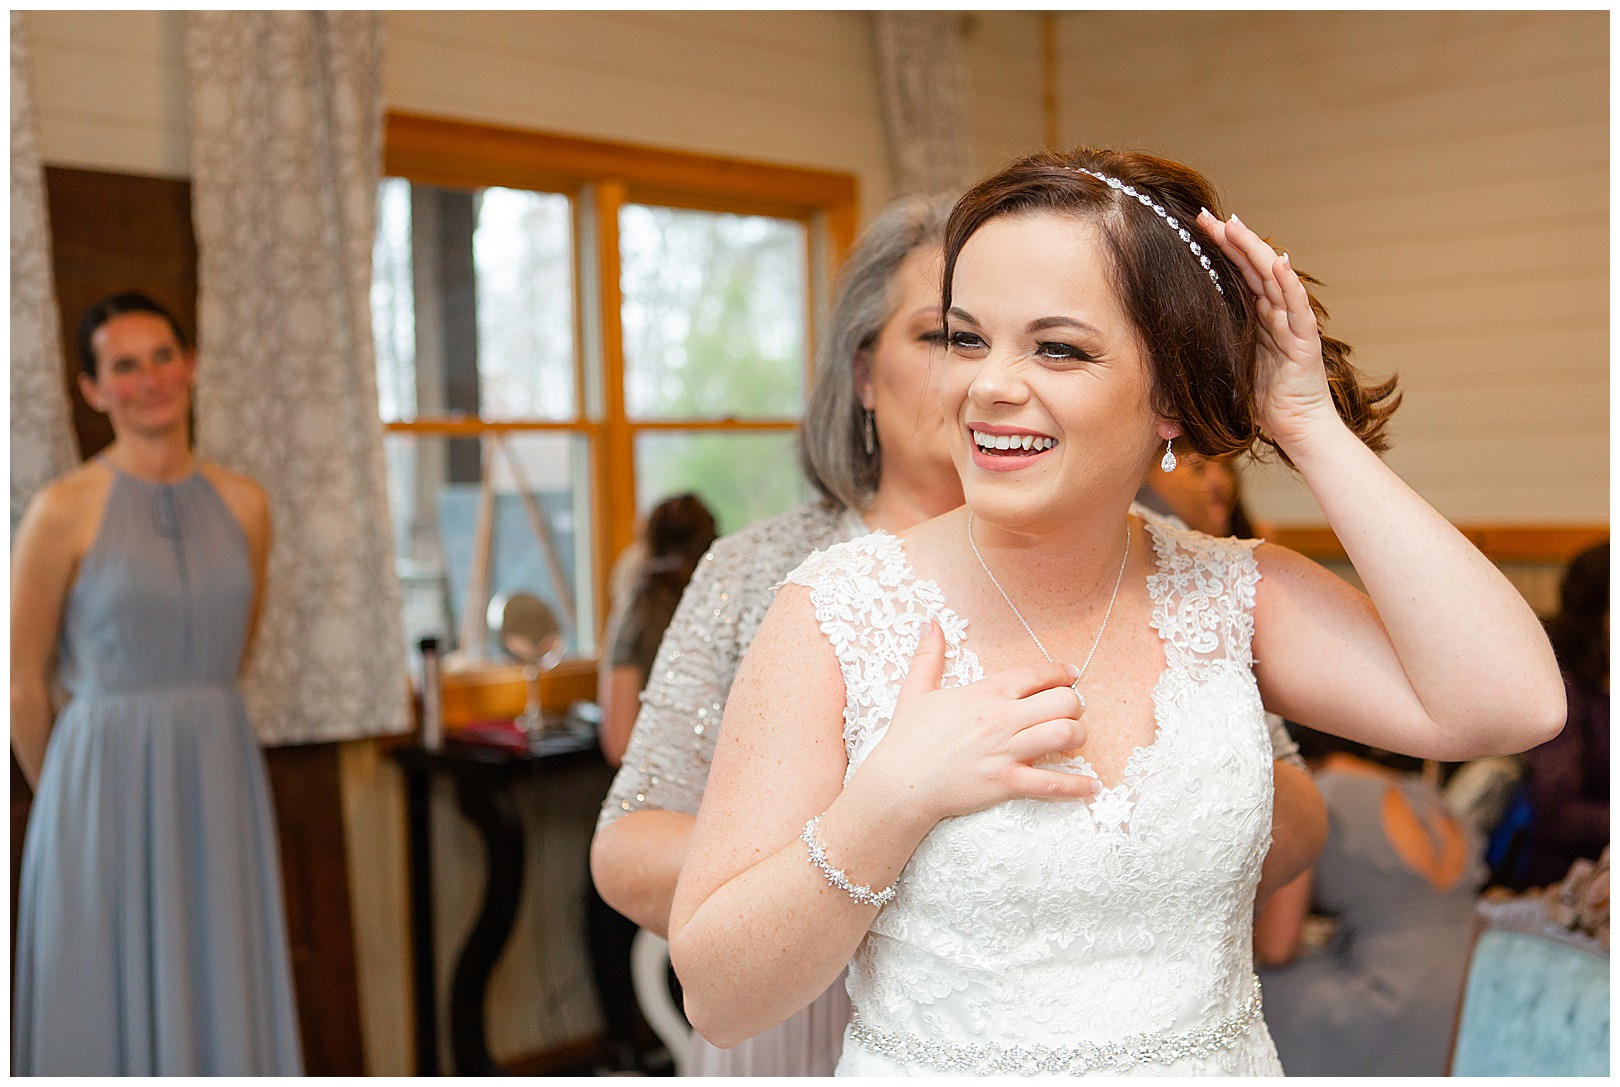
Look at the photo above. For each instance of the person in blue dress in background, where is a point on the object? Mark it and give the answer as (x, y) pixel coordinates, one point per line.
(1399, 876)
(150, 930)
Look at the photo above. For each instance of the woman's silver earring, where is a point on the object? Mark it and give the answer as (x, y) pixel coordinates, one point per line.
(871, 435)
(1167, 463)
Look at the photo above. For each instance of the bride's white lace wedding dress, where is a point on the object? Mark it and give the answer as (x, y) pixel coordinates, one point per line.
(1061, 937)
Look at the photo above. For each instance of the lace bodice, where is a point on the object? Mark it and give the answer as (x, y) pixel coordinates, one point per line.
(1060, 923)
(666, 765)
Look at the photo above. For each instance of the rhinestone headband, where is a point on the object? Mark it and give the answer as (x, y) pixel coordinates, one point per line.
(1158, 209)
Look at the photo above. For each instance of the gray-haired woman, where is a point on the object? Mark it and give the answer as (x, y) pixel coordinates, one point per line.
(874, 445)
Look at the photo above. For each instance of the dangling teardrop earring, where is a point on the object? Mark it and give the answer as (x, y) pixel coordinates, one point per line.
(1167, 463)
(871, 435)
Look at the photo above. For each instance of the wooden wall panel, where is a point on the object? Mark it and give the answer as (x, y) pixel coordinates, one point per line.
(116, 232)
(305, 781)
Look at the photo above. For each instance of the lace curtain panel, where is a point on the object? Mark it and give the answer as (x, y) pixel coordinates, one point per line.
(286, 151)
(41, 436)
(926, 114)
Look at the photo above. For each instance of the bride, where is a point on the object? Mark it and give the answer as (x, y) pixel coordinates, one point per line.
(1014, 760)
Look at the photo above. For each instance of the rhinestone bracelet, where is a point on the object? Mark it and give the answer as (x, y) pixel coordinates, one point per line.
(835, 876)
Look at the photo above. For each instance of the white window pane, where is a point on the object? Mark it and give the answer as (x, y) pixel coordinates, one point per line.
(473, 303)
(522, 251)
(713, 314)
(393, 302)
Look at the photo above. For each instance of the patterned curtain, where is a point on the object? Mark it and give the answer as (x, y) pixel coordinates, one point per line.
(286, 151)
(923, 81)
(41, 434)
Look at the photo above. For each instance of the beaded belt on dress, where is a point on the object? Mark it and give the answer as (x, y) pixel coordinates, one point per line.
(1161, 1047)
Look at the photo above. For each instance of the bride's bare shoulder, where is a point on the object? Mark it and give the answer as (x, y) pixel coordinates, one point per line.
(790, 652)
(928, 536)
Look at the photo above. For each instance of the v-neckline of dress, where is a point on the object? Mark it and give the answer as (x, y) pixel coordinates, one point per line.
(1118, 801)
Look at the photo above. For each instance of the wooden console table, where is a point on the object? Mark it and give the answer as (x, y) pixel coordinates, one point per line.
(483, 777)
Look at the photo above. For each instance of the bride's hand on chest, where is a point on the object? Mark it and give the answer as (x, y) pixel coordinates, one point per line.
(953, 750)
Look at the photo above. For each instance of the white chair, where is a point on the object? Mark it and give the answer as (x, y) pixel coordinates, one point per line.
(649, 976)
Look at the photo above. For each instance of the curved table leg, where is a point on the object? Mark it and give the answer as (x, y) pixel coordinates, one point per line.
(419, 814)
(490, 807)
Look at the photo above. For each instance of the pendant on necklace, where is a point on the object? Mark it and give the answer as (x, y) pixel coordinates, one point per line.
(1118, 578)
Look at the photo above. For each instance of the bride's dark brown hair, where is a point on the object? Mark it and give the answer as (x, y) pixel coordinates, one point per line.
(1200, 342)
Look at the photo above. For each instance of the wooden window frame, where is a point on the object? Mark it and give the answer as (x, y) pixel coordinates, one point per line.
(1531, 543)
(599, 177)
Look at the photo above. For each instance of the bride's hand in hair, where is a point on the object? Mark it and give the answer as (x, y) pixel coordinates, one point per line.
(1291, 385)
(954, 750)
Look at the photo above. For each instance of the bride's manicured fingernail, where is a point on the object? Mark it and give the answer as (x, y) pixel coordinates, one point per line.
(1205, 211)
(1287, 261)
(1072, 670)
(1235, 219)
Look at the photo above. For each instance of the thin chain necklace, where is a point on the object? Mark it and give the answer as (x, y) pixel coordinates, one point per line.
(1030, 631)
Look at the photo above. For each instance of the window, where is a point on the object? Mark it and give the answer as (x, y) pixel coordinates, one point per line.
(713, 320)
(569, 331)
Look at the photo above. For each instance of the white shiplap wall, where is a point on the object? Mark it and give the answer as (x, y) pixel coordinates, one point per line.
(1002, 52)
(1446, 175)
(791, 87)
(788, 87)
(111, 90)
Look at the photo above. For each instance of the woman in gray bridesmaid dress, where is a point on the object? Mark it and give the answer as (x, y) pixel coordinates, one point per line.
(150, 936)
(1401, 874)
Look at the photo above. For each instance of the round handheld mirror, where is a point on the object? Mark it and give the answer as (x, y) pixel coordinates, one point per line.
(525, 626)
